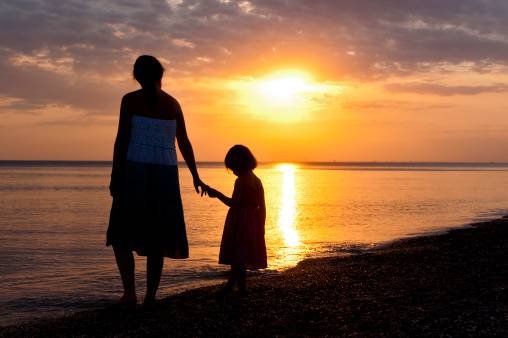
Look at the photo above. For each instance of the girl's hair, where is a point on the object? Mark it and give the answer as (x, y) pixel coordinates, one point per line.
(240, 158)
(148, 72)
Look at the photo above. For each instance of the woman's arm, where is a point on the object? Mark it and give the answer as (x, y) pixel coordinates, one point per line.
(121, 147)
(187, 151)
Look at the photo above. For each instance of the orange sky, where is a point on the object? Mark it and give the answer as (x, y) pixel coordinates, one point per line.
(294, 80)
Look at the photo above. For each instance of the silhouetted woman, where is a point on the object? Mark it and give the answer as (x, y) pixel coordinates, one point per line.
(147, 215)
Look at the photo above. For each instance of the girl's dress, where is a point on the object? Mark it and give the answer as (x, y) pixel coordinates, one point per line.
(147, 214)
(243, 238)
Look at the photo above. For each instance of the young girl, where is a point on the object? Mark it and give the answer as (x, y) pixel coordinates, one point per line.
(243, 240)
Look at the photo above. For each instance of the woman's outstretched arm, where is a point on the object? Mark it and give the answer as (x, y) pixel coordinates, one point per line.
(121, 147)
(187, 151)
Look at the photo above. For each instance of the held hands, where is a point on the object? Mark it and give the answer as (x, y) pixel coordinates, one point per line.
(203, 189)
(212, 192)
(200, 184)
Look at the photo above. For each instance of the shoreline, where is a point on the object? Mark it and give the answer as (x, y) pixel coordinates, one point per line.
(6, 163)
(454, 283)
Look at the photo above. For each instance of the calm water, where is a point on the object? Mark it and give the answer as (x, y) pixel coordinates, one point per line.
(53, 219)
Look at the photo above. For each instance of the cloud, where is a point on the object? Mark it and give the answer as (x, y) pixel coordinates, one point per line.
(12, 104)
(445, 90)
(69, 52)
(35, 86)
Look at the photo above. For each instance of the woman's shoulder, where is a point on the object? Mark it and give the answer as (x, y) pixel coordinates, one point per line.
(132, 95)
(171, 103)
(169, 98)
(167, 106)
(138, 94)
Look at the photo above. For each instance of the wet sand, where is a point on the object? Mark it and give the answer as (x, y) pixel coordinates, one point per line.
(455, 284)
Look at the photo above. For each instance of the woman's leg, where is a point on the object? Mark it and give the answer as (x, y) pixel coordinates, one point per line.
(241, 278)
(125, 263)
(154, 264)
(231, 280)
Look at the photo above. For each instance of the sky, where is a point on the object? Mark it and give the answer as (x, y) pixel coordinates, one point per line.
(294, 80)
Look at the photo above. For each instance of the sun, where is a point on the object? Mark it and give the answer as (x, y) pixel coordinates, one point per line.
(289, 95)
(284, 87)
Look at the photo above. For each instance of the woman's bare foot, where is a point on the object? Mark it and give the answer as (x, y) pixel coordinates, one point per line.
(149, 303)
(128, 300)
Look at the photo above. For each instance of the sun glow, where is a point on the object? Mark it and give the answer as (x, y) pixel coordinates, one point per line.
(285, 96)
(283, 88)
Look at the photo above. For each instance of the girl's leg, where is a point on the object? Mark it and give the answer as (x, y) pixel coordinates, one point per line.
(125, 263)
(154, 264)
(230, 284)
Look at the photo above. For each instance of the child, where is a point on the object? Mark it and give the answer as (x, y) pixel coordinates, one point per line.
(243, 239)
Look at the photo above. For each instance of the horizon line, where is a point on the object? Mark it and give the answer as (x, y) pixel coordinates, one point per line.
(279, 162)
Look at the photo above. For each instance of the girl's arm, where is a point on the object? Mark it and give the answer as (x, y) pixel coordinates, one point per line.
(187, 151)
(223, 198)
(235, 200)
(121, 147)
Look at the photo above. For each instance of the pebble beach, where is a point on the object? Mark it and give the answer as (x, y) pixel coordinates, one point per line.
(449, 285)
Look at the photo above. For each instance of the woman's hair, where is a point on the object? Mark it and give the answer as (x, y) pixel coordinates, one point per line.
(240, 158)
(148, 72)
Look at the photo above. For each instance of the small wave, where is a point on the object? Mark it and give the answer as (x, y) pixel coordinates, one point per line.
(54, 301)
(21, 187)
(490, 215)
(347, 248)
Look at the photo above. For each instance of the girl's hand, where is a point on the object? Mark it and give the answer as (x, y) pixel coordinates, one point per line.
(212, 192)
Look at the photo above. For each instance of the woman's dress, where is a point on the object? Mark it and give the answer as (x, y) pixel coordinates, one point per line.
(147, 214)
(243, 238)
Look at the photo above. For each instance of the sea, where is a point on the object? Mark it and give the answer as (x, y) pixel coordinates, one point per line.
(54, 216)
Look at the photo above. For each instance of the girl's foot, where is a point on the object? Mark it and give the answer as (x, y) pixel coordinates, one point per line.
(242, 292)
(224, 290)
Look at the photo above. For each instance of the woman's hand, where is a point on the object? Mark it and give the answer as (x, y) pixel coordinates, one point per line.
(199, 184)
(113, 189)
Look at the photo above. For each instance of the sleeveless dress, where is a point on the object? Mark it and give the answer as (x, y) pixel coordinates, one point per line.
(147, 214)
(243, 238)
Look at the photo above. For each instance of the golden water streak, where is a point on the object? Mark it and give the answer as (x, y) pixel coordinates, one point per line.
(287, 213)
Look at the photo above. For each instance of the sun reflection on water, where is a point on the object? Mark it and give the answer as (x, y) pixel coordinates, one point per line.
(287, 214)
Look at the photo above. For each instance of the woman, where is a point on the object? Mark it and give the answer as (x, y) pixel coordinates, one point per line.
(147, 215)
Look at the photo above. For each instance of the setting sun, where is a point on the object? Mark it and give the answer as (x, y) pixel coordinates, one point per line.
(284, 96)
(283, 87)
